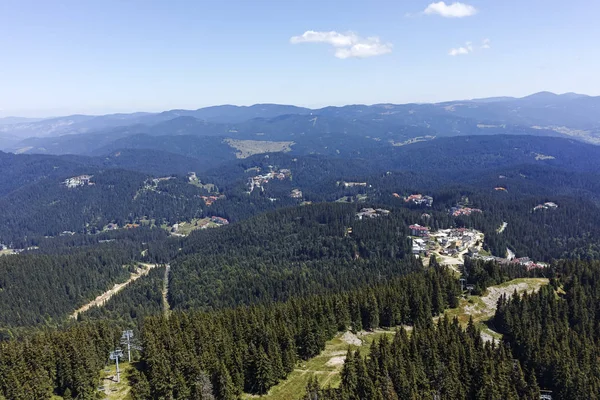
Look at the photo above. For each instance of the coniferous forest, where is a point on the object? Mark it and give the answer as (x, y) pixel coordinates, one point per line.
(233, 310)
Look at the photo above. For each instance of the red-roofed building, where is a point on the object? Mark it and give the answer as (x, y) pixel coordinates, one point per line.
(219, 220)
(418, 230)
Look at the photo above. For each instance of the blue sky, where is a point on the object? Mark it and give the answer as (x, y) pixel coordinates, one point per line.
(100, 56)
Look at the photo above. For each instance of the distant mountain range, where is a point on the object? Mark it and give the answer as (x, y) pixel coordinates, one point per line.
(328, 130)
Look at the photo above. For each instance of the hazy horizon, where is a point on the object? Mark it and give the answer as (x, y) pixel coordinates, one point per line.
(48, 114)
(68, 57)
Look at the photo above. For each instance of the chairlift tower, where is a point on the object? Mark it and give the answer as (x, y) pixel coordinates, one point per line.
(126, 340)
(115, 355)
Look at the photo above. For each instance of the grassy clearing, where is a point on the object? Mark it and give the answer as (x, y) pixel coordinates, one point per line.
(112, 389)
(196, 182)
(6, 252)
(532, 283)
(326, 366)
(247, 148)
(185, 228)
(482, 308)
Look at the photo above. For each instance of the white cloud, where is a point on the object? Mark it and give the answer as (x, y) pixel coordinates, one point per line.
(333, 38)
(463, 50)
(347, 45)
(459, 51)
(454, 10)
(468, 48)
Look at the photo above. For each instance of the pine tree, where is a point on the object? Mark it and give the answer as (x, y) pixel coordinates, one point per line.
(225, 388)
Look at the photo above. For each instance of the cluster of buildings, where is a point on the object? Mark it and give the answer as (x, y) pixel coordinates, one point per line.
(460, 210)
(296, 194)
(208, 200)
(372, 213)
(546, 206)
(457, 240)
(76, 181)
(524, 261)
(259, 180)
(417, 199)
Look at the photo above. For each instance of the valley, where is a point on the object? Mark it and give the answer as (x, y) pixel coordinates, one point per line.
(326, 241)
(292, 200)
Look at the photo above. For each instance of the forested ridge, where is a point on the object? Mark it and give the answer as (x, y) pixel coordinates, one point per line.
(441, 361)
(294, 251)
(554, 333)
(550, 342)
(42, 289)
(237, 349)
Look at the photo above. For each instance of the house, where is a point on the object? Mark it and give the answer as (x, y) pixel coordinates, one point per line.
(81, 180)
(419, 246)
(372, 213)
(473, 251)
(419, 199)
(208, 200)
(353, 184)
(219, 220)
(458, 211)
(546, 206)
(296, 194)
(418, 230)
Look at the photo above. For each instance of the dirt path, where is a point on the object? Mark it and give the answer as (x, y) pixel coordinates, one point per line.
(502, 227)
(165, 291)
(142, 270)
